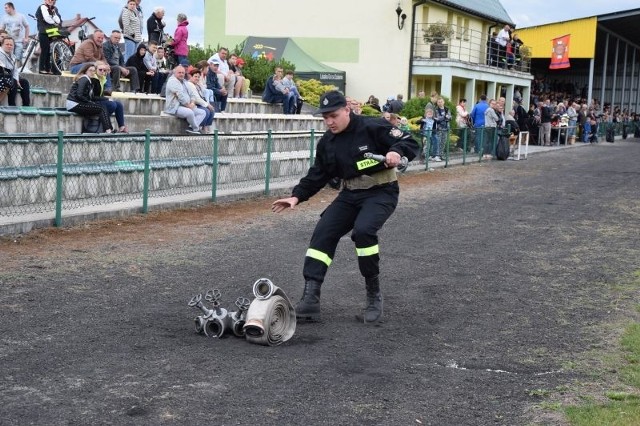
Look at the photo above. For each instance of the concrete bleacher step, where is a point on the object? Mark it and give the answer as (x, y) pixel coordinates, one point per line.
(51, 120)
(51, 91)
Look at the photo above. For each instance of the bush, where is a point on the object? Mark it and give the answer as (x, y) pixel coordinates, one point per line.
(414, 108)
(370, 112)
(311, 90)
(258, 70)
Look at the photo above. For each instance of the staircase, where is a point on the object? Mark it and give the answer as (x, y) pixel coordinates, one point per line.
(48, 114)
(258, 149)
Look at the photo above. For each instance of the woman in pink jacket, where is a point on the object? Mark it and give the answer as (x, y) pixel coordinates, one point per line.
(180, 46)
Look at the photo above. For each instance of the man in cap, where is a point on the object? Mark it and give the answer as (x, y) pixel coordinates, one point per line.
(213, 83)
(368, 198)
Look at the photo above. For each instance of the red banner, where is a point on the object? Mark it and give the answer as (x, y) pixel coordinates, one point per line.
(560, 53)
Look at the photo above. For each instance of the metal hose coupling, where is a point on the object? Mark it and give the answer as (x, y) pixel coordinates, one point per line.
(402, 167)
(219, 321)
(271, 318)
(201, 320)
(212, 322)
(239, 317)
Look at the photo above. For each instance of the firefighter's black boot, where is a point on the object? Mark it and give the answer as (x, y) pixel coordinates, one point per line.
(308, 308)
(372, 313)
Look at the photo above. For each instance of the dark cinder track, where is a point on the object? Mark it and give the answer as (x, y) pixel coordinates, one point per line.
(496, 277)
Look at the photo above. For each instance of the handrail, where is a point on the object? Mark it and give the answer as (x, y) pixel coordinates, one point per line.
(468, 46)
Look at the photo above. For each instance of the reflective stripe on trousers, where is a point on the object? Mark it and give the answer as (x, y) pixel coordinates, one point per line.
(363, 212)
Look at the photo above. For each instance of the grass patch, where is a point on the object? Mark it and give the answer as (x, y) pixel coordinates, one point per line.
(624, 408)
(618, 413)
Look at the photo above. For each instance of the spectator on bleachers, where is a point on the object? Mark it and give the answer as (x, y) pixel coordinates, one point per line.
(289, 99)
(155, 26)
(394, 105)
(17, 27)
(179, 101)
(213, 83)
(131, 28)
(391, 117)
(233, 67)
(226, 77)
(387, 105)
(246, 83)
(88, 52)
(144, 74)
(114, 57)
(10, 81)
(81, 98)
(275, 92)
(113, 106)
(374, 103)
(163, 70)
(49, 20)
(199, 99)
(10, 72)
(151, 63)
(207, 93)
(288, 82)
(180, 37)
(353, 104)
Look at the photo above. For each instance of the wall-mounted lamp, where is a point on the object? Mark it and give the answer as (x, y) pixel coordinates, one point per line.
(401, 16)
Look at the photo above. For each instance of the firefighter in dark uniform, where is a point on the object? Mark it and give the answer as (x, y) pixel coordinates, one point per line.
(368, 197)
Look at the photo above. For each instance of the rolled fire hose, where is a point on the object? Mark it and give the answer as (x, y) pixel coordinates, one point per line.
(271, 318)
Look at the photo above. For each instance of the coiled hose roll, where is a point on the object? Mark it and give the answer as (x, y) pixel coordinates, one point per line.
(271, 318)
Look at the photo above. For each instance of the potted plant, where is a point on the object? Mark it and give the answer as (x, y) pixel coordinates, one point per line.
(525, 57)
(436, 34)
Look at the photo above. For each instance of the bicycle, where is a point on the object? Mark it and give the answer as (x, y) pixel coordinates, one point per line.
(62, 48)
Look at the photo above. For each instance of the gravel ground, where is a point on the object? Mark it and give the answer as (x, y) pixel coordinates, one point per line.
(498, 279)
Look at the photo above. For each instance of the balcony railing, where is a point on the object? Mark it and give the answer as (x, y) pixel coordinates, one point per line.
(468, 46)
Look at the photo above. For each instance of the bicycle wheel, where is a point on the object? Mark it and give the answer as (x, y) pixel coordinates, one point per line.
(60, 56)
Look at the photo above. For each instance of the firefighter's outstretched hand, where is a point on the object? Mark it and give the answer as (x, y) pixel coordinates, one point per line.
(283, 204)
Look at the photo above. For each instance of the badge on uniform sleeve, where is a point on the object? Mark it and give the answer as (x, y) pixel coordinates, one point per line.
(396, 133)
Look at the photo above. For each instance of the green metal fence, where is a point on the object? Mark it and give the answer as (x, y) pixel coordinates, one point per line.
(42, 173)
(464, 145)
(61, 172)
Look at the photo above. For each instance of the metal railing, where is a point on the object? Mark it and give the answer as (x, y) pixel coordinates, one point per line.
(468, 46)
(61, 172)
(465, 145)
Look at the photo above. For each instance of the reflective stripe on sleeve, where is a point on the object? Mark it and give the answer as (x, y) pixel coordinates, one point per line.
(319, 256)
(368, 251)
